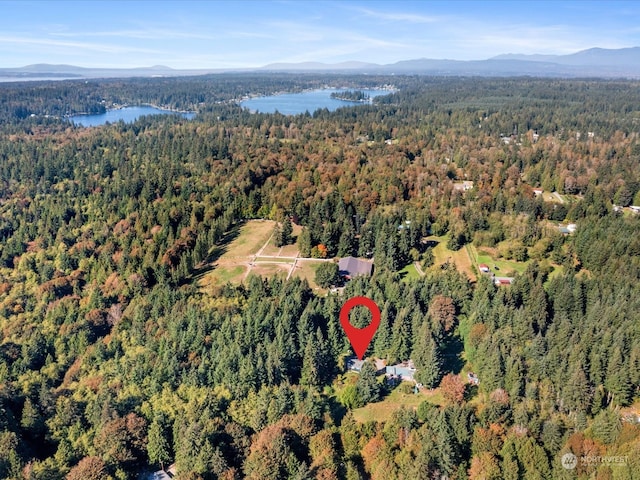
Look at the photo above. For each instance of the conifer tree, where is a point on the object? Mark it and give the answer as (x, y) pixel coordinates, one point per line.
(278, 238)
(287, 230)
(367, 384)
(426, 357)
(158, 447)
(304, 243)
(310, 374)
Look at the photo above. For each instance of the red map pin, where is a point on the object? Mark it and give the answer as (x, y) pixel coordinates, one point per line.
(360, 338)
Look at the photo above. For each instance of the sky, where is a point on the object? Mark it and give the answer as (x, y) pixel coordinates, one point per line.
(243, 34)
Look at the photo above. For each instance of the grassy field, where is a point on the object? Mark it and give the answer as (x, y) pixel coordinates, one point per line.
(286, 251)
(489, 256)
(558, 270)
(222, 274)
(459, 258)
(237, 256)
(409, 272)
(273, 260)
(382, 411)
(270, 249)
(289, 251)
(270, 269)
(251, 237)
(250, 250)
(307, 269)
(469, 257)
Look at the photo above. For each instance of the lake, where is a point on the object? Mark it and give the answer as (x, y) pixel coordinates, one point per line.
(127, 114)
(295, 103)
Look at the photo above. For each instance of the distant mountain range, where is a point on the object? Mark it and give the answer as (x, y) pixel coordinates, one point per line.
(594, 62)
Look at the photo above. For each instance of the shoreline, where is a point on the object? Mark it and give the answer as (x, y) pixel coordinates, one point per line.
(386, 88)
(122, 107)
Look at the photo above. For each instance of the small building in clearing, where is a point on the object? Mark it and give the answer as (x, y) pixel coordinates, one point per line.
(473, 378)
(484, 268)
(568, 229)
(463, 186)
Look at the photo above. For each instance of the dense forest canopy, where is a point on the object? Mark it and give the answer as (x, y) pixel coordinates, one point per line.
(114, 360)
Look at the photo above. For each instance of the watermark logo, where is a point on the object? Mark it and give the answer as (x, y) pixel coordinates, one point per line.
(569, 461)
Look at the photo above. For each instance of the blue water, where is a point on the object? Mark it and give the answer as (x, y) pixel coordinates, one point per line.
(294, 103)
(128, 115)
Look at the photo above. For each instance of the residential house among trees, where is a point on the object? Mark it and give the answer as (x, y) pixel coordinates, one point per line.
(405, 371)
(351, 267)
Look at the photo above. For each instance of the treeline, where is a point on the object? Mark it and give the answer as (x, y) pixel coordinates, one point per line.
(20, 100)
(351, 96)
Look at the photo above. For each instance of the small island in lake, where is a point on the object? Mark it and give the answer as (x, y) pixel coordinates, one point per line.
(351, 96)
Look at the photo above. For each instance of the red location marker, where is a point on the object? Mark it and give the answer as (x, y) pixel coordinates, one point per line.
(360, 338)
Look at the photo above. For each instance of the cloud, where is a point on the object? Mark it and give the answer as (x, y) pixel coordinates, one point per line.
(555, 39)
(398, 16)
(16, 40)
(141, 34)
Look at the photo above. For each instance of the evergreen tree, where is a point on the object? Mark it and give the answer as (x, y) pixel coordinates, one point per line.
(31, 418)
(445, 444)
(509, 465)
(304, 243)
(382, 339)
(278, 237)
(606, 426)
(158, 447)
(367, 385)
(347, 242)
(401, 339)
(577, 392)
(617, 381)
(426, 357)
(311, 364)
(286, 230)
(327, 274)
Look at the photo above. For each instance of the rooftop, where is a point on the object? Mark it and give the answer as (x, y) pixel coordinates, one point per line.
(353, 267)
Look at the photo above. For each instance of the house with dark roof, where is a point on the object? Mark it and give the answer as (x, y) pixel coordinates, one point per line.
(351, 267)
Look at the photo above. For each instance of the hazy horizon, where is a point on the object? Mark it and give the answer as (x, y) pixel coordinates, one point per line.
(251, 34)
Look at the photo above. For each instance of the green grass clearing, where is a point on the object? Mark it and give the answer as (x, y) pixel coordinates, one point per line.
(558, 270)
(382, 411)
(274, 260)
(409, 272)
(459, 258)
(490, 258)
(225, 273)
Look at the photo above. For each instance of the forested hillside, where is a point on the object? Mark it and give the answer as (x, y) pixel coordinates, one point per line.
(114, 360)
